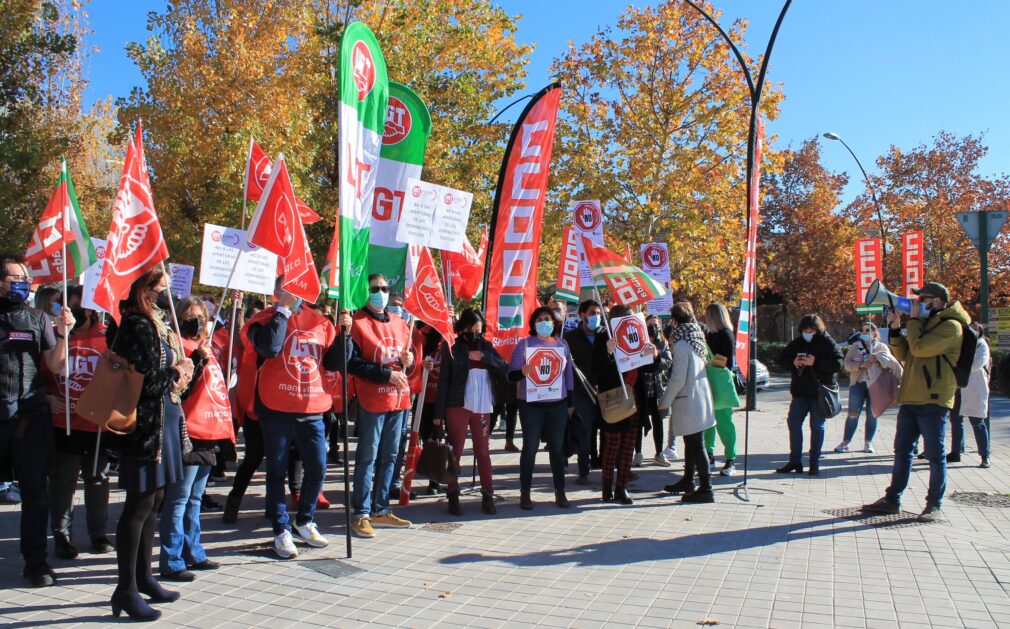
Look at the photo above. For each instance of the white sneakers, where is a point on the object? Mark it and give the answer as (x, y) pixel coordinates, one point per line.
(661, 460)
(309, 533)
(842, 447)
(638, 459)
(670, 453)
(284, 546)
(869, 447)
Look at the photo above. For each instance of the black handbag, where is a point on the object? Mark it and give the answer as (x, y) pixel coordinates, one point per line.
(829, 403)
(438, 461)
(575, 433)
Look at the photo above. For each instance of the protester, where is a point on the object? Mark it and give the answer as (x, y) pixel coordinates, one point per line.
(864, 361)
(545, 418)
(506, 410)
(208, 420)
(291, 345)
(75, 453)
(427, 342)
(617, 446)
(720, 339)
(648, 387)
(689, 398)
(465, 399)
(974, 404)
(813, 359)
(380, 358)
(582, 344)
(151, 456)
(395, 306)
(26, 433)
(929, 351)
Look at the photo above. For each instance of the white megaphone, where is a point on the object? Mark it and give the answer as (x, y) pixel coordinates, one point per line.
(877, 295)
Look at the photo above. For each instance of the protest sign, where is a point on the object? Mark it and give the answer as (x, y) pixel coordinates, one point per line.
(587, 220)
(633, 346)
(434, 216)
(181, 279)
(255, 272)
(546, 382)
(656, 263)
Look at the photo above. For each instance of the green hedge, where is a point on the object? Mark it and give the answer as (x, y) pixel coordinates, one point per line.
(768, 353)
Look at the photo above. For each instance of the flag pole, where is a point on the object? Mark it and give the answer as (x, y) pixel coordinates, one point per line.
(66, 333)
(346, 423)
(234, 303)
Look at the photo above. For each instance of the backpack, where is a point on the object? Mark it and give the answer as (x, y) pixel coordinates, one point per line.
(966, 357)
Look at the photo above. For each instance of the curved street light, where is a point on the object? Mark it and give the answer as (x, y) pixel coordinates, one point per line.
(873, 194)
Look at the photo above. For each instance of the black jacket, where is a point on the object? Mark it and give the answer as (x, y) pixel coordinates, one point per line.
(584, 354)
(652, 378)
(828, 361)
(456, 369)
(137, 341)
(722, 342)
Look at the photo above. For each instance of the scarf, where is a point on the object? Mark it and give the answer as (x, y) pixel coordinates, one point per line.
(691, 332)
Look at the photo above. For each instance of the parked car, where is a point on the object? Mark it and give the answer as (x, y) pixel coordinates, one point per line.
(761, 379)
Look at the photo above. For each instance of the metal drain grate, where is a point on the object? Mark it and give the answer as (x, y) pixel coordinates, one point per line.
(981, 499)
(331, 568)
(896, 520)
(441, 527)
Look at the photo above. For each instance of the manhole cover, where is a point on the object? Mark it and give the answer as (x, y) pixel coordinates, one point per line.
(331, 567)
(441, 527)
(981, 499)
(856, 514)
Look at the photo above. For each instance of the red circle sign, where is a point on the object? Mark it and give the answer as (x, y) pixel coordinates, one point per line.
(654, 256)
(363, 69)
(631, 335)
(587, 216)
(546, 367)
(397, 122)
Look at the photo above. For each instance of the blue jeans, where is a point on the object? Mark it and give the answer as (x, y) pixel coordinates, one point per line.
(180, 521)
(309, 435)
(859, 399)
(978, 426)
(930, 421)
(374, 460)
(799, 408)
(401, 454)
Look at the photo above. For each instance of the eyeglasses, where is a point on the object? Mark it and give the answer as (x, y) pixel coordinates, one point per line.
(376, 289)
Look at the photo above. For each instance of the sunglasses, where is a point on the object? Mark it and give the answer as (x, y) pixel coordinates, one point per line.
(376, 289)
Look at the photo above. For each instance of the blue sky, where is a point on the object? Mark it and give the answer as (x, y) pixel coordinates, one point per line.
(878, 73)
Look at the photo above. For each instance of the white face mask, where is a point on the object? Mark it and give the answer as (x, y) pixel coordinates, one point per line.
(808, 336)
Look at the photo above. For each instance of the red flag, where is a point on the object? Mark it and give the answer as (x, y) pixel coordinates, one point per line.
(627, 253)
(426, 299)
(628, 285)
(135, 243)
(277, 226)
(257, 173)
(44, 254)
(467, 268)
(746, 321)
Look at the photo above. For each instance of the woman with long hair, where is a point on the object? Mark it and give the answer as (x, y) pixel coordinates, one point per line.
(721, 341)
(150, 457)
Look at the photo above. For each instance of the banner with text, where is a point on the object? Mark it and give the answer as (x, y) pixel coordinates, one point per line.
(656, 262)
(181, 279)
(256, 271)
(587, 219)
(568, 267)
(912, 258)
(868, 261)
(546, 382)
(633, 346)
(434, 216)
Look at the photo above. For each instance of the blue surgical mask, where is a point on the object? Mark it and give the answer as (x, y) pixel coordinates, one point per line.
(298, 305)
(544, 328)
(378, 300)
(866, 338)
(593, 321)
(397, 310)
(18, 293)
(55, 308)
(808, 336)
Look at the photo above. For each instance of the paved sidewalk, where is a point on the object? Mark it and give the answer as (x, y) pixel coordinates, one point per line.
(797, 555)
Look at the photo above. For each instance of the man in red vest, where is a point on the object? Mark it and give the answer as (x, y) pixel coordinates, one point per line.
(380, 358)
(293, 344)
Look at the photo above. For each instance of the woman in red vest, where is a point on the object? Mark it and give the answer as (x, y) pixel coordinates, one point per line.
(208, 419)
(75, 453)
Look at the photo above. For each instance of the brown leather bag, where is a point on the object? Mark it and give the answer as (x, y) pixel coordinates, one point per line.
(438, 461)
(110, 400)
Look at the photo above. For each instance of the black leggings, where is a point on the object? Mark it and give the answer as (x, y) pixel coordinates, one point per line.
(251, 460)
(135, 538)
(510, 412)
(696, 460)
(649, 415)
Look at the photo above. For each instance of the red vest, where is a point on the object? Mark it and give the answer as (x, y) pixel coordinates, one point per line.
(85, 350)
(335, 387)
(208, 413)
(380, 342)
(292, 381)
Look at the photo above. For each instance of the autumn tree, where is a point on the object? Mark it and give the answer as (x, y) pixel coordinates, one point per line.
(805, 245)
(655, 122)
(923, 189)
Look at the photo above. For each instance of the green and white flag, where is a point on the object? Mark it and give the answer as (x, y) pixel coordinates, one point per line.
(364, 93)
(404, 140)
(61, 222)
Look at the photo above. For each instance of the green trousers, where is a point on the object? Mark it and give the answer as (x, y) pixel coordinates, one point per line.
(727, 433)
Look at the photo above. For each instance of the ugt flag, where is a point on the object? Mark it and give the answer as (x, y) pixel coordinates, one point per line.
(364, 95)
(257, 173)
(628, 284)
(135, 243)
(61, 222)
(425, 298)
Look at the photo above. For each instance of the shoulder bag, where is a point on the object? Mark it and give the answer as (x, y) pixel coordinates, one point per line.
(110, 399)
(722, 383)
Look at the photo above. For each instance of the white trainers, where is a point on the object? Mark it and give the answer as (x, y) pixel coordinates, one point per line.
(639, 458)
(842, 447)
(661, 460)
(869, 447)
(309, 533)
(670, 453)
(284, 546)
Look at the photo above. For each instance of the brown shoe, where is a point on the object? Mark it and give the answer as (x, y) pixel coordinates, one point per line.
(525, 502)
(454, 506)
(487, 503)
(561, 499)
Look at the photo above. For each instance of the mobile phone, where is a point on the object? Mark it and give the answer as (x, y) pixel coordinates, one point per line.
(801, 355)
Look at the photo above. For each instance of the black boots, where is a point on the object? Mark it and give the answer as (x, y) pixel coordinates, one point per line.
(608, 494)
(683, 486)
(454, 507)
(231, 507)
(134, 605)
(621, 496)
(789, 468)
(525, 502)
(561, 499)
(702, 495)
(63, 548)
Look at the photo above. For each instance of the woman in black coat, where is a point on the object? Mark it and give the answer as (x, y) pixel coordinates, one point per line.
(813, 359)
(150, 456)
(466, 399)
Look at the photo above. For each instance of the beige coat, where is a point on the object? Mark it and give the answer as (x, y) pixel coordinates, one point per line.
(688, 393)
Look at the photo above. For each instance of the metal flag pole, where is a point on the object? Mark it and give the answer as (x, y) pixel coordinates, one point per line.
(66, 333)
(346, 425)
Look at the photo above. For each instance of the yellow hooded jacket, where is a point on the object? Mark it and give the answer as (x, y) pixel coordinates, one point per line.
(929, 377)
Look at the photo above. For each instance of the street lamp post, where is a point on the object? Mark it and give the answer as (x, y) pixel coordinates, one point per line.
(873, 194)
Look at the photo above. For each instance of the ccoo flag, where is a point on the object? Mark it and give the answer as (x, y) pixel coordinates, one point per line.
(364, 95)
(404, 140)
(628, 284)
(61, 220)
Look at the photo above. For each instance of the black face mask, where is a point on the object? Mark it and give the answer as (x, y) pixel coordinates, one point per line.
(190, 328)
(79, 316)
(654, 331)
(470, 337)
(163, 300)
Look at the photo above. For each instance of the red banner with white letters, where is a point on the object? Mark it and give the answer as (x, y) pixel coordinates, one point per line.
(868, 268)
(912, 256)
